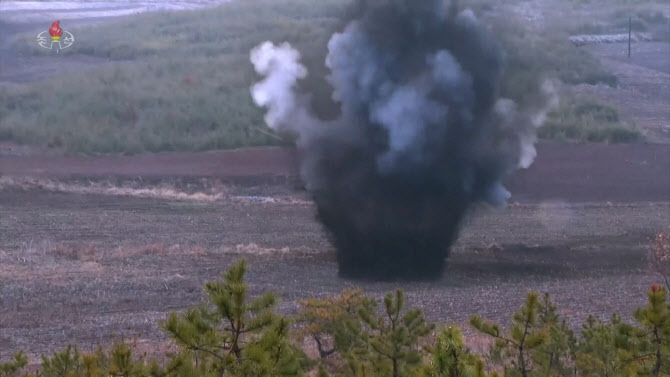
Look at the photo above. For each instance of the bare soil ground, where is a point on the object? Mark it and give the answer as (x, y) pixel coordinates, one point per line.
(574, 172)
(80, 261)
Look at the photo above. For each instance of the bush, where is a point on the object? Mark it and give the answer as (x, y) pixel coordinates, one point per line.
(585, 119)
(234, 335)
(450, 357)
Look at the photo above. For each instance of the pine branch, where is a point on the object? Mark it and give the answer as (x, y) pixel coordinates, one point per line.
(198, 348)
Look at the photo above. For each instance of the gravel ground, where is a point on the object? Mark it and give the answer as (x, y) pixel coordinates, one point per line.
(80, 268)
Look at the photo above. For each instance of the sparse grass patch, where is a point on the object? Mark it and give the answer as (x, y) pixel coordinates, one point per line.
(585, 119)
(164, 192)
(88, 252)
(74, 252)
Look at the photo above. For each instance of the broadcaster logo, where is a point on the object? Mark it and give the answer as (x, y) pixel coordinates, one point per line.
(53, 41)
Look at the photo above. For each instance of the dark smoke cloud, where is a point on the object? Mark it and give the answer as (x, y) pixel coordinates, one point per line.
(422, 134)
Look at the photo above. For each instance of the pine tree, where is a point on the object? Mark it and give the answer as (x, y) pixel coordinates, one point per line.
(555, 356)
(333, 323)
(234, 335)
(609, 349)
(121, 364)
(448, 354)
(521, 341)
(655, 320)
(12, 368)
(450, 358)
(65, 363)
(392, 338)
(117, 362)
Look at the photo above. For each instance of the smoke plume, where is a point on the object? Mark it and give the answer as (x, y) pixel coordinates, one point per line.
(421, 135)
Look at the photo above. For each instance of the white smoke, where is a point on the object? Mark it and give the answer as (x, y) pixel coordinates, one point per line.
(529, 138)
(281, 69)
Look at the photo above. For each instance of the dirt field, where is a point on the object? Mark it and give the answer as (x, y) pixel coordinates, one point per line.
(575, 172)
(87, 252)
(100, 246)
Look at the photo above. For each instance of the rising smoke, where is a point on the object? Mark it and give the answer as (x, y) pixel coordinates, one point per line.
(421, 135)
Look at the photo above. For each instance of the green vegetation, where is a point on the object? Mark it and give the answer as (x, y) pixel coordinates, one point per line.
(11, 368)
(450, 357)
(180, 80)
(234, 335)
(585, 119)
(386, 345)
(534, 56)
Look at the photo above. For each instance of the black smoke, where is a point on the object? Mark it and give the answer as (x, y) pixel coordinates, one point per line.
(422, 134)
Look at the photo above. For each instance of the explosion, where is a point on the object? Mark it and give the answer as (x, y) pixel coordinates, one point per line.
(421, 135)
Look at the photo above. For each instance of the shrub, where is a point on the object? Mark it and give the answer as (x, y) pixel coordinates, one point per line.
(449, 357)
(585, 119)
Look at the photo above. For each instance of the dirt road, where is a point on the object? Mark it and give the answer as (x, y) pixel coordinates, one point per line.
(571, 172)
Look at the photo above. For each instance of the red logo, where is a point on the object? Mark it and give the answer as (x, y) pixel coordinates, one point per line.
(60, 39)
(55, 31)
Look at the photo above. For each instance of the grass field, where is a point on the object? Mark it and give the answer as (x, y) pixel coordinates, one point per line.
(180, 81)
